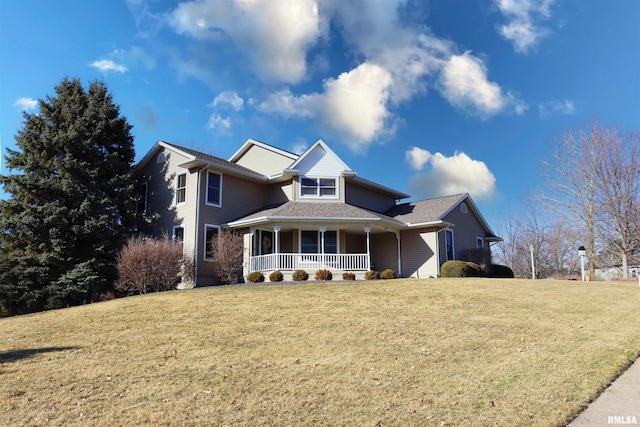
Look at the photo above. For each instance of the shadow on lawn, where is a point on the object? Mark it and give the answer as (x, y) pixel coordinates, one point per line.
(14, 355)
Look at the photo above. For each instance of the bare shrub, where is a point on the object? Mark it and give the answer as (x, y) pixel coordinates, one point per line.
(146, 264)
(227, 251)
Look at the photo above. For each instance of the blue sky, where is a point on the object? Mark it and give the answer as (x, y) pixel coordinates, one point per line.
(426, 97)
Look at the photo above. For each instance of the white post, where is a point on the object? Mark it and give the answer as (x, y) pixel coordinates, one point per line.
(276, 245)
(367, 229)
(533, 263)
(399, 255)
(251, 233)
(582, 267)
(322, 230)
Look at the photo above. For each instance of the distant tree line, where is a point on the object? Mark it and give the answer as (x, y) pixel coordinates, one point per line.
(591, 199)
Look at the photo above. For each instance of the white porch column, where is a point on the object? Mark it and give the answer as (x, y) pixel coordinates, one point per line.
(252, 231)
(322, 231)
(399, 254)
(367, 229)
(276, 245)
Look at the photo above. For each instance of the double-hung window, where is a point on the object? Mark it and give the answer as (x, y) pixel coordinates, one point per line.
(181, 189)
(318, 187)
(214, 189)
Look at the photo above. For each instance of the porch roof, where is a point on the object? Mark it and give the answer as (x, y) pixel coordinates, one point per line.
(315, 211)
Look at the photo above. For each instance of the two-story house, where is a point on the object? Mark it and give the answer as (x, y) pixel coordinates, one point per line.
(308, 211)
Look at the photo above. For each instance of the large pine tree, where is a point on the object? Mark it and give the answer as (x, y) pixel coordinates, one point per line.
(69, 205)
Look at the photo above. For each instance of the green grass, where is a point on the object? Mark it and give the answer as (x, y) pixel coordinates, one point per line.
(399, 352)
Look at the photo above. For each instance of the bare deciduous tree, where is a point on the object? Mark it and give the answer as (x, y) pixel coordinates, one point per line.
(572, 181)
(227, 252)
(619, 175)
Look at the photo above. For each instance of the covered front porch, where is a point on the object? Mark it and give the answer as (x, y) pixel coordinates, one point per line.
(336, 247)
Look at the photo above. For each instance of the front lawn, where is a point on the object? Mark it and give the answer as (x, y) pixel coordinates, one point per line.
(390, 353)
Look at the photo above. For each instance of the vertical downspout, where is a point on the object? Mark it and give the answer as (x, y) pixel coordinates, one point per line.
(195, 251)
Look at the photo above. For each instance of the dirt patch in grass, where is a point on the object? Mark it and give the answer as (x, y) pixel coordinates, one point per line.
(400, 352)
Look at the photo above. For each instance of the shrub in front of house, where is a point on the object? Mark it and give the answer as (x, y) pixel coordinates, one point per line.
(460, 269)
(300, 275)
(324, 275)
(371, 275)
(348, 276)
(388, 274)
(276, 276)
(255, 277)
(501, 272)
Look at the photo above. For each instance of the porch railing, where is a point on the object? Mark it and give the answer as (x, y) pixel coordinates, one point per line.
(298, 261)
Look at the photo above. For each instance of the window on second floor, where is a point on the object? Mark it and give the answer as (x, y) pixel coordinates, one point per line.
(318, 187)
(214, 189)
(181, 189)
(479, 242)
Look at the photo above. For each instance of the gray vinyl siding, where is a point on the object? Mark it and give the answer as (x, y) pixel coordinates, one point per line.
(384, 251)
(367, 198)
(161, 213)
(419, 258)
(467, 228)
(279, 193)
(264, 161)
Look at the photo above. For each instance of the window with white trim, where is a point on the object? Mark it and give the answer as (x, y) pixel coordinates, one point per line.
(210, 232)
(178, 235)
(318, 187)
(181, 189)
(311, 242)
(463, 208)
(214, 189)
(448, 238)
(479, 242)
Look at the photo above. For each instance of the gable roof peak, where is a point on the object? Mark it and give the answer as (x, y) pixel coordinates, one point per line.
(321, 145)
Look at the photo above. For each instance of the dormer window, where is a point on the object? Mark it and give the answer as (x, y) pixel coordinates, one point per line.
(318, 187)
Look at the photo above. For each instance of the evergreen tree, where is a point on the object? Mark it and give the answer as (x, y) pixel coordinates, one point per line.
(70, 206)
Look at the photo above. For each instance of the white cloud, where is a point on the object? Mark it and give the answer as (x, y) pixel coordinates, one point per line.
(354, 105)
(395, 61)
(275, 34)
(228, 98)
(134, 55)
(564, 106)
(219, 124)
(106, 65)
(522, 17)
(417, 157)
(465, 84)
(450, 175)
(26, 104)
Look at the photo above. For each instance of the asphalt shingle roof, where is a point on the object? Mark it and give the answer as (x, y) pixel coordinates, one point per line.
(208, 158)
(304, 210)
(423, 210)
